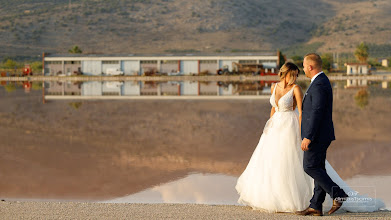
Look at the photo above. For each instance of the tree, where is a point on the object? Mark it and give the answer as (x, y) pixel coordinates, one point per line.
(298, 60)
(75, 49)
(327, 61)
(282, 58)
(36, 67)
(361, 52)
(10, 64)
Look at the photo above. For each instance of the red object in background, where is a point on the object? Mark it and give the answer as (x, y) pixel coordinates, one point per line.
(27, 86)
(27, 70)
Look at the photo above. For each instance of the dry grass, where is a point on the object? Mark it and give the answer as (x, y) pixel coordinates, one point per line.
(180, 25)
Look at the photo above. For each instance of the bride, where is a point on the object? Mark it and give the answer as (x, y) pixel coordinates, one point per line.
(274, 179)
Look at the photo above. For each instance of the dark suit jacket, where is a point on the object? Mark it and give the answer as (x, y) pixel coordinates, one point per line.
(317, 117)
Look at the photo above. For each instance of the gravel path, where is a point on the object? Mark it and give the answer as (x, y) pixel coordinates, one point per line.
(71, 210)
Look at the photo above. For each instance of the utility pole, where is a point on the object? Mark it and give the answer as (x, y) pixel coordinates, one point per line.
(338, 59)
(70, 4)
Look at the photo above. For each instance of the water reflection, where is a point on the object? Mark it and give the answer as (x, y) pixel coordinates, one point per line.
(26, 85)
(361, 98)
(218, 189)
(195, 188)
(105, 149)
(172, 88)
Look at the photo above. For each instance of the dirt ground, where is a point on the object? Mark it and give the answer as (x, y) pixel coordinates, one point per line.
(93, 150)
(71, 210)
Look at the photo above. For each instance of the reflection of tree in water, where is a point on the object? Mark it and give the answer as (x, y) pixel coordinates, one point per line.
(36, 85)
(361, 97)
(10, 87)
(75, 105)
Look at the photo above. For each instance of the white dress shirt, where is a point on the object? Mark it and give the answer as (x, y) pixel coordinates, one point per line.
(313, 78)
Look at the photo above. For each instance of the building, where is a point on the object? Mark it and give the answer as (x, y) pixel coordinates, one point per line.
(170, 64)
(356, 68)
(384, 62)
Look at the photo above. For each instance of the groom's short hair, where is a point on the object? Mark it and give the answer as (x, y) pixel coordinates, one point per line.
(315, 58)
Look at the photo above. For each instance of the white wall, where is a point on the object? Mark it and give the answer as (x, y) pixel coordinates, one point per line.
(93, 68)
(356, 69)
(189, 67)
(384, 63)
(269, 65)
(131, 67)
(111, 66)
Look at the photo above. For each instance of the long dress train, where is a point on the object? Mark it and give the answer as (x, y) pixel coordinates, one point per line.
(274, 179)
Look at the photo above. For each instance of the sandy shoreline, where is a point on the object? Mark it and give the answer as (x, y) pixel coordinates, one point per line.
(72, 210)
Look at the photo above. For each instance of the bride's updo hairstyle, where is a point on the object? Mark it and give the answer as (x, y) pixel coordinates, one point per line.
(291, 69)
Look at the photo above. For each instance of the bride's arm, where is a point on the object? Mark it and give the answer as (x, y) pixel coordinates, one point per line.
(273, 110)
(299, 99)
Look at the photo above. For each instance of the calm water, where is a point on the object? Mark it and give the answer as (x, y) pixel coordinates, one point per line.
(83, 143)
(133, 89)
(220, 189)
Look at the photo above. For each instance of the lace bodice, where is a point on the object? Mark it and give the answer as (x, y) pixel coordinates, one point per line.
(285, 103)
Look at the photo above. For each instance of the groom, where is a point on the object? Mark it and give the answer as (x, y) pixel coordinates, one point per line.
(317, 132)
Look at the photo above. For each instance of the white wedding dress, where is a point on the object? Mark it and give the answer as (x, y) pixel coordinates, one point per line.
(274, 179)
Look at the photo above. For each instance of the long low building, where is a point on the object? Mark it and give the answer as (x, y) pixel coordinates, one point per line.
(170, 64)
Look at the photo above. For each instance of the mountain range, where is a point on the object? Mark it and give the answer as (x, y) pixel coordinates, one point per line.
(30, 27)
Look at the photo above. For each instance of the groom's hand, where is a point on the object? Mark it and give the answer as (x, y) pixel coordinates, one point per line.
(305, 143)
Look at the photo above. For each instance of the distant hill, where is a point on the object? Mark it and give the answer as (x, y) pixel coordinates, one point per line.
(29, 27)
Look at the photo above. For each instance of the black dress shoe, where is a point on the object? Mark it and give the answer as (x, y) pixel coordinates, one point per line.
(310, 211)
(337, 203)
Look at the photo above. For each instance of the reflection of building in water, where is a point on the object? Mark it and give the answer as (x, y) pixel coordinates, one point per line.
(110, 88)
(131, 88)
(150, 88)
(187, 64)
(189, 88)
(356, 68)
(384, 84)
(356, 83)
(63, 88)
(226, 89)
(208, 88)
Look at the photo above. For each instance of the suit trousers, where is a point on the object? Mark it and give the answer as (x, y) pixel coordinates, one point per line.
(314, 166)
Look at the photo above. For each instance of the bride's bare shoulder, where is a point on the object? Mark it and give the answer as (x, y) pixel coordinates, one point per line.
(298, 88)
(272, 87)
